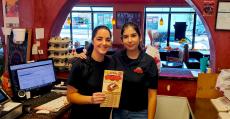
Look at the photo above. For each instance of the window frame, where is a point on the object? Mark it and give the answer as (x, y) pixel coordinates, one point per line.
(91, 11)
(170, 12)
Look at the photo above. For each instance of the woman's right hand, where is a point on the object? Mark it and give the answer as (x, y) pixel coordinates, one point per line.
(98, 98)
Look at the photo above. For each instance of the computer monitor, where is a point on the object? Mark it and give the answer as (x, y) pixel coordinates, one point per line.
(36, 78)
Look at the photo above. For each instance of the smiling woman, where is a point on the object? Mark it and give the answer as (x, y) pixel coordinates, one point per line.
(86, 77)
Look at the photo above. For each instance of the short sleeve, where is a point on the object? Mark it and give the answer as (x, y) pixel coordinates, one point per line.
(75, 74)
(152, 75)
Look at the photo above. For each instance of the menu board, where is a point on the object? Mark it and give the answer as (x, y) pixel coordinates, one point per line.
(125, 17)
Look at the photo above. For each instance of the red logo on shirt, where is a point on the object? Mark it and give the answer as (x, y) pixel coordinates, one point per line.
(138, 70)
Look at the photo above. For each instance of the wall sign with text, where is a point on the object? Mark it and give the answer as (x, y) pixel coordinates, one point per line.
(125, 17)
(223, 16)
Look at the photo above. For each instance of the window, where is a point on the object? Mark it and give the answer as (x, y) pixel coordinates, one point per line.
(201, 37)
(159, 31)
(165, 34)
(83, 20)
(181, 17)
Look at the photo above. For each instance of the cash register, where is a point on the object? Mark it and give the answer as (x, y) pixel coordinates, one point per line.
(32, 84)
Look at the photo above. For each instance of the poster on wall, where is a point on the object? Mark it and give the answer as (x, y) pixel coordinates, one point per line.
(11, 13)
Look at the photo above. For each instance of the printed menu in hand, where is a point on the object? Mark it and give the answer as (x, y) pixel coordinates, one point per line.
(112, 86)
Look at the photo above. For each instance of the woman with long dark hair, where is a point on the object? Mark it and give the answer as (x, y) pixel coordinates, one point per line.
(139, 89)
(86, 77)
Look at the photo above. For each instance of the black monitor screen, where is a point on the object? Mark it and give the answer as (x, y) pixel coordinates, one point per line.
(32, 76)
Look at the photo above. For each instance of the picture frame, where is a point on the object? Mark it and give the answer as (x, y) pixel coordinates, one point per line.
(10, 13)
(223, 16)
(123, 17)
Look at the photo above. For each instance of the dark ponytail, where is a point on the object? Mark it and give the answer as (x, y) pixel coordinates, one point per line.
(89, 49)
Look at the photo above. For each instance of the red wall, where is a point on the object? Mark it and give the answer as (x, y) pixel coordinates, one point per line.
(50, 14)
(219, 40)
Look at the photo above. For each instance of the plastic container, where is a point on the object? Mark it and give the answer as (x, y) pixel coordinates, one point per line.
(19, 35)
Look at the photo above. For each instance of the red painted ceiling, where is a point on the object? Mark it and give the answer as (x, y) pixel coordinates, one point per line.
(133, 1)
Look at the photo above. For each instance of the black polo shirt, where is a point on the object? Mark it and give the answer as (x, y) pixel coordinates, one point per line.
(87, 77)
(134, 96)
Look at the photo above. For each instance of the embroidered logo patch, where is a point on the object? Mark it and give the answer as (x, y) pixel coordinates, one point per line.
(138, 70)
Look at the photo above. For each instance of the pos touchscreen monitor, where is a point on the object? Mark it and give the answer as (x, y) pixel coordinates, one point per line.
(36, 78)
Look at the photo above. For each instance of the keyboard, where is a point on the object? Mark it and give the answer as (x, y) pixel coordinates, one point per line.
(54, 105)
(222, 104)
(10, 105)
(34, 102)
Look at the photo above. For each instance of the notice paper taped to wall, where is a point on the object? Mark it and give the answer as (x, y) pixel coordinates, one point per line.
(112, 86)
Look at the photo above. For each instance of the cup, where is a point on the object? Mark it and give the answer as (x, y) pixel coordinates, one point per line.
(19, 35)
(203, 64)
(209, 70)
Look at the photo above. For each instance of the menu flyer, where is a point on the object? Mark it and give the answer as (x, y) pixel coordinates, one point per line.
(112, 86)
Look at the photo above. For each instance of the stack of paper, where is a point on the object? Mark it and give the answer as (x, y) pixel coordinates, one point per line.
(224, 115)
(223, 82)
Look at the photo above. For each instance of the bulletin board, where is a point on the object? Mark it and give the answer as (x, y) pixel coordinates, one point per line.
(223, 16)
(19, 53)
(125, 17)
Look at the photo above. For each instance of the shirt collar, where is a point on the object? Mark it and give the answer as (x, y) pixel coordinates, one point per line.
(127, 59)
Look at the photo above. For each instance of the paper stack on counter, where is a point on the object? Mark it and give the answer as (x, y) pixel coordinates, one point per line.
(223, 82)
